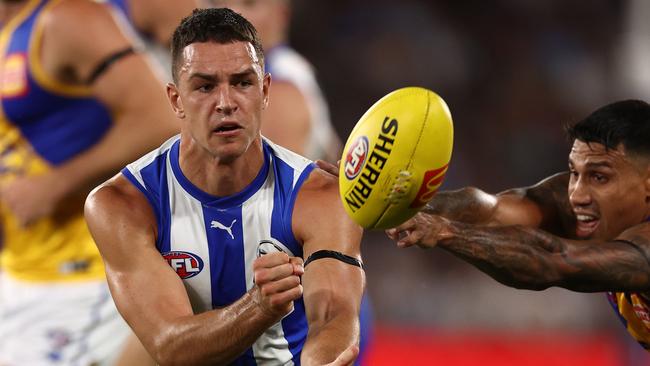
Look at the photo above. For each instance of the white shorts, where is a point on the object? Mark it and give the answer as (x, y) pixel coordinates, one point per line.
(58, 324)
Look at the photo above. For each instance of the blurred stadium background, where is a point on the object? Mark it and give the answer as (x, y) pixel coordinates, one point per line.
(513, 72)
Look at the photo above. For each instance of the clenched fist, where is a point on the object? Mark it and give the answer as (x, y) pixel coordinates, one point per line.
(277, 277)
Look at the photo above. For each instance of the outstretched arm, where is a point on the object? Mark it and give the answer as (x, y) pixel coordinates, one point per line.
(332, 288)
(153, 300)
(533, 259)
(544, 205)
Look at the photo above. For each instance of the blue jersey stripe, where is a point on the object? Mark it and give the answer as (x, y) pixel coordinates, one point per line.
(281, 219)
(366, 320)
(154, 176)
(295, 329)
(290, 203)
(283, 181)
(295, 324)
(227, 263)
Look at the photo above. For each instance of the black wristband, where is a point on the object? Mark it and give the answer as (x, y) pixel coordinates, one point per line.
(333, 254)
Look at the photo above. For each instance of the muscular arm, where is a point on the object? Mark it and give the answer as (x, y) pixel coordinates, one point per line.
(152, 298)
(332, 289)
(544, 205)
(534, 259)
(129, 88)
(77, 36)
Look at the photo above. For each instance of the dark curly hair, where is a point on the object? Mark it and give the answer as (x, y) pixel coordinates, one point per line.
(219, 25)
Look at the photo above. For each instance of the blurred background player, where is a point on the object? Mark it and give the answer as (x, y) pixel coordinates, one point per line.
(298, 118)
(154, 22)
(77, 102)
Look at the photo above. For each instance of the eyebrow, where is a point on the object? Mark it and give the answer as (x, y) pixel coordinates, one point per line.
(595, 164)
(210, 77)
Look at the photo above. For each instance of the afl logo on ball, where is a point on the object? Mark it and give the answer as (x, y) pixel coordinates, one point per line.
(356, 157)
(186, 265)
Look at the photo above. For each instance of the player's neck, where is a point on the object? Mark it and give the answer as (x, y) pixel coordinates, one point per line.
(9, 9)
(219, 178)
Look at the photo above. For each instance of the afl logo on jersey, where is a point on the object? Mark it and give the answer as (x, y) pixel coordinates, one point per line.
(356, 157)
(186, 264)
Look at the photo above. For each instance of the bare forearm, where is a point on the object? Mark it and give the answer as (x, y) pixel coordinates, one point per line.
(469, 205)
(215, 337)
(325, 342)
(533, 259)
(515, 256)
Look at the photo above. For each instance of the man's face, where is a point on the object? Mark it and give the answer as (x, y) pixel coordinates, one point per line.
(607, 190)
(220, 96)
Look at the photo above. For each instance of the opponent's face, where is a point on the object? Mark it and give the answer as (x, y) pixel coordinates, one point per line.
(608, 190)
(220, 96)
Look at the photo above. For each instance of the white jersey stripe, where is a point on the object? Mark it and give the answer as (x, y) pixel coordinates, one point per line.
(271, 346)
(188, 214)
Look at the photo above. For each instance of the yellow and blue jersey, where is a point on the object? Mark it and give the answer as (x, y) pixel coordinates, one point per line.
(634, 311)
(43, 123)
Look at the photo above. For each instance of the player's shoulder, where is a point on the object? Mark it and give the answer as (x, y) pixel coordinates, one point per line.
(117, 199)
(82, 27)
(319, 192)
(320, 180)
(638, 234)
(319, 201)
(290, 158)
(77, 14)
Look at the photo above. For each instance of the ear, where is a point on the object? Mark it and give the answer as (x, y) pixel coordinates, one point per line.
(175, 100)
(266, 84)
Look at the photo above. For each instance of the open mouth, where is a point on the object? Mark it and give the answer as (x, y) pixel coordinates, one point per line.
(586, 225)
(227, 128)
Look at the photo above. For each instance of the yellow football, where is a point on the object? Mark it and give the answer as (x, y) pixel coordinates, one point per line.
(396, 157)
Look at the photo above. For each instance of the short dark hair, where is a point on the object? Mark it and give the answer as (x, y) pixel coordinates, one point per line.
(626, 122)
(219, 25)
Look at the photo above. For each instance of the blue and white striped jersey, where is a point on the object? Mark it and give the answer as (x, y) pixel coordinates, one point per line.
(212, 242)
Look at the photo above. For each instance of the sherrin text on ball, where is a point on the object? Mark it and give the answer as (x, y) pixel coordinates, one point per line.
(396, 157)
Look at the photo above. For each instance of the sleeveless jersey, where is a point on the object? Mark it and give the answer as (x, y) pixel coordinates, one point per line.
(43, 123)
(211, 242)
(634, 311)
(287, 65)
